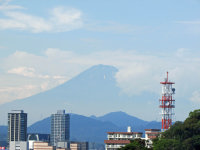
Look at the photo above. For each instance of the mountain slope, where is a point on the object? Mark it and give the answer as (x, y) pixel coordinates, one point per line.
(3, 133)
(95, 129)
(93, 91)
(122, 119)
(81, 128)
(93, 87)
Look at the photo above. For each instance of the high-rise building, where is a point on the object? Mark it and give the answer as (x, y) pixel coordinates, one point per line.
(17, 130)
(17, 126)
(60, 127)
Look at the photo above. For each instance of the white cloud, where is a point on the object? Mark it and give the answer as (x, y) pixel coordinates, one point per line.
(27, 72)
(10, 7)
(24, 22)
(66, 19)
(4, 6)
(12, 93)
(60, 20)
(137, 72)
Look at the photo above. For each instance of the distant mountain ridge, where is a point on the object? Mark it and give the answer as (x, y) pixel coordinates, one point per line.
(94, 129)
(81, 128)
(123, 120)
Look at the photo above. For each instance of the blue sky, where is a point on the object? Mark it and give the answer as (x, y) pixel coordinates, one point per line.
(45, 43)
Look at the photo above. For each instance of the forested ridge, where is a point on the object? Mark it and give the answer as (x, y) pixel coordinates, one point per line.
(180, 136)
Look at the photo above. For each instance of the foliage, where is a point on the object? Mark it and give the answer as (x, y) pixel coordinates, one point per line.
(182, 135)
(167, 144)
(137, 144)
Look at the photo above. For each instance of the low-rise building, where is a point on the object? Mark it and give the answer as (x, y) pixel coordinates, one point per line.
(151, 134)
(33, 137)
(117, 140)
(65, 145)
(79, 146)
(18, 145)
(42, 146)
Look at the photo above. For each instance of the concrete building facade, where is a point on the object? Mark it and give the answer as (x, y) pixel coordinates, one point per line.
(42, 146)
(33, 137)
(18, 145)
(117, 140)
(79, 146)
(151, 134)
(17, 125)
(17, 129)
(60, 127)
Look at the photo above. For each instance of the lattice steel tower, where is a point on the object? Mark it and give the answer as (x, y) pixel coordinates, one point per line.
(167, 103)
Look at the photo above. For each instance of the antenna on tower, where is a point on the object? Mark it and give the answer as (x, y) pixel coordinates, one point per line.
(167, 75)
(167, 103)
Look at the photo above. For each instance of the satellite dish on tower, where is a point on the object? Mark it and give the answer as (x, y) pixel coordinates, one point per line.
(173, 90)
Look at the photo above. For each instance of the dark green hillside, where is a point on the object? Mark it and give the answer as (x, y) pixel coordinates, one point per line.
(182, 135)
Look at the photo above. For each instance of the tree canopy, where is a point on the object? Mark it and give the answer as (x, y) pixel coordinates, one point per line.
(137, 144)
(181, 135)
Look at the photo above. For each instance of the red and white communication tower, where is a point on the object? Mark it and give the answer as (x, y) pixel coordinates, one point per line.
(167, 103)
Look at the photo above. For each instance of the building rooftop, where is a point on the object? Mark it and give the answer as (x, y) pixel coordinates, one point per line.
(129, 133)
(117, 141)
(17, 111)
(152, 130)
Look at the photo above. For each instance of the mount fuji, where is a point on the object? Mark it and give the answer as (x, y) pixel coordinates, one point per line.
(93, 92)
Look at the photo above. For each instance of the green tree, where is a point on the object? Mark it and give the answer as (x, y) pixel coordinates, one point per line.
(167, 144)
(182, 135)
(137, 144)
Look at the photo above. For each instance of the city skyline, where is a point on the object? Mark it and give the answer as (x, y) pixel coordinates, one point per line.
(44, 44)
